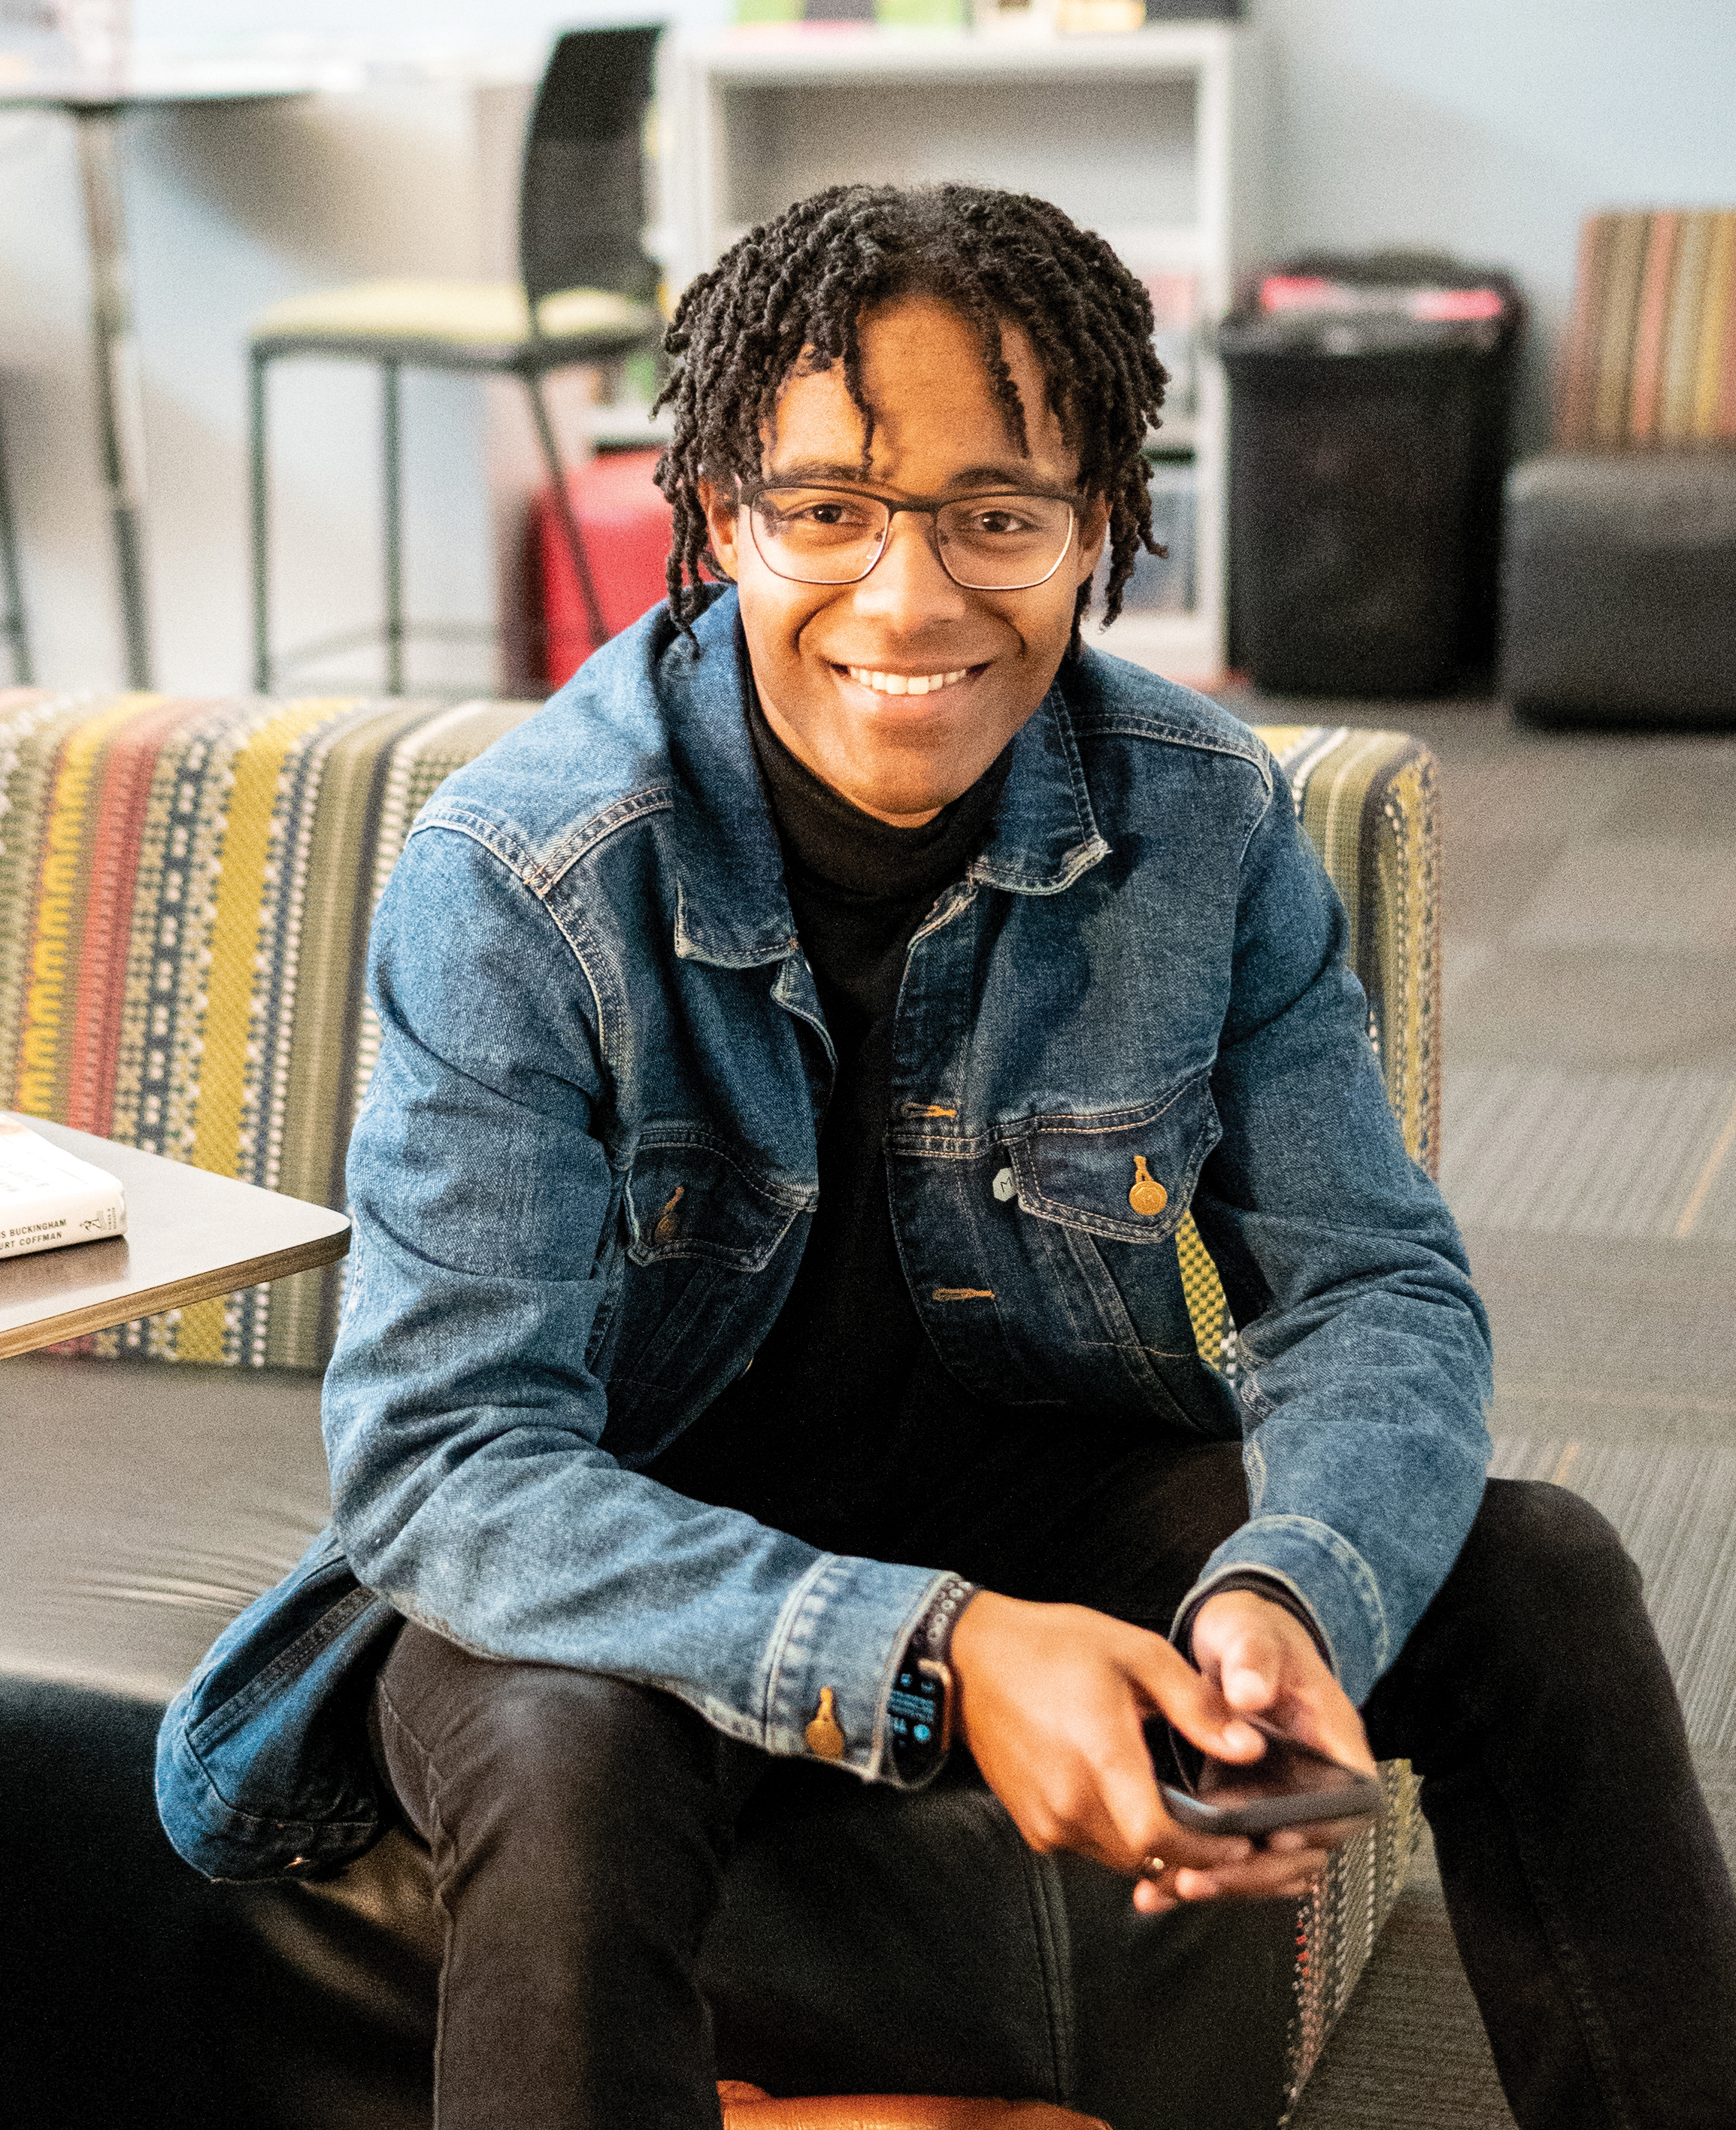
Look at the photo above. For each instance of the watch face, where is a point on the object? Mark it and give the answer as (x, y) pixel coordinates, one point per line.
(916, 1718)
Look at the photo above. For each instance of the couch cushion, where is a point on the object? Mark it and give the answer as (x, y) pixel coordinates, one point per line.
(141, 1508)
(197, 879)
(1649, 355)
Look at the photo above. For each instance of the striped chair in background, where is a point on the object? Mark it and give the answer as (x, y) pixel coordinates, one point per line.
(1619, 582)
(187, 886)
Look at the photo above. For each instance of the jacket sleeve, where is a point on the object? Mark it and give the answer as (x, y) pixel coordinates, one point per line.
(463, 1425)
(1365, 1367)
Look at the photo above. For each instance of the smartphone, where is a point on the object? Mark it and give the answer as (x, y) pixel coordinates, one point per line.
(1290, 1785)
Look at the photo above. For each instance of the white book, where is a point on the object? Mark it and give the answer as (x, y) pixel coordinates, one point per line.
(50, 1198)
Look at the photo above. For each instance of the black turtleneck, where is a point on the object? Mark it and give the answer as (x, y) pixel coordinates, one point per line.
(845, 1404)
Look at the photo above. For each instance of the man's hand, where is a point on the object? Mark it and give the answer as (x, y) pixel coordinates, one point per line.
(1264, 1661)
(1052, 1700)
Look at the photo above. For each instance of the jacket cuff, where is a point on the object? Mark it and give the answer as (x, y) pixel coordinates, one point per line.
(1324, 1570)
(1275, 1589)
(834, 1657)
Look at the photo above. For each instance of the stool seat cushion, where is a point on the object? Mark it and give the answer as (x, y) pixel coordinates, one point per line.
(486, 323)
(750, 2107)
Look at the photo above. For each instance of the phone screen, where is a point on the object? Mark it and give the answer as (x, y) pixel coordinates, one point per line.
(1290, 1785)
(1288, 1769)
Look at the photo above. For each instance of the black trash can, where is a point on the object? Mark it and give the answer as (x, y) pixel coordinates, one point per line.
(1368, 401)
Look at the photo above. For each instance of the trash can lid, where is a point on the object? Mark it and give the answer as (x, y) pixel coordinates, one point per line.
(1396, 303)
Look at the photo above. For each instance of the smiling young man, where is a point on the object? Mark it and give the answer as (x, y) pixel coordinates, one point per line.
(800, 1044)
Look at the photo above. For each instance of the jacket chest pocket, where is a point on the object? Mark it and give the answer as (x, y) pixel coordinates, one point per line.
(1098, 1199)
(687, 1201)
(1125, 1177)
(701, 1229)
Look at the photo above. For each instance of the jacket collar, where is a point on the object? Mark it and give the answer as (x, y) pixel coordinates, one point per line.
(1045, 834)
(732, 909)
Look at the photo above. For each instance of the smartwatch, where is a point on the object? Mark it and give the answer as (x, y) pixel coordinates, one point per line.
(919, 1708)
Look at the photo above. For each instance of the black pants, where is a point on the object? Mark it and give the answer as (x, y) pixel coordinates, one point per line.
(579, 1825)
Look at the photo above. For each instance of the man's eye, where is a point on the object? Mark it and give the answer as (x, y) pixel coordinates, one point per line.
(817, 514)
(997, 523)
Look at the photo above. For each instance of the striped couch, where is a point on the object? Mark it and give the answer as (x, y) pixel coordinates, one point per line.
(1618, 576)
(1650, 356)
(187, 886)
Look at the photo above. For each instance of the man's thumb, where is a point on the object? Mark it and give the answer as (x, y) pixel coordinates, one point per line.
(1252, 1672)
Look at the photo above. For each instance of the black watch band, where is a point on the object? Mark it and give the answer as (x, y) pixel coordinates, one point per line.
(919, 1708)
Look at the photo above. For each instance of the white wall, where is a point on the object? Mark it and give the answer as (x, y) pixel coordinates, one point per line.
(1489, 128)
(1485, 127)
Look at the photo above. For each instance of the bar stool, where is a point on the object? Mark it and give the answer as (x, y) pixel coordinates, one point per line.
(585, 294)
(12, 587)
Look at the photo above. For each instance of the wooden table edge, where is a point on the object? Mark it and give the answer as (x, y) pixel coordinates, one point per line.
(175, 1294)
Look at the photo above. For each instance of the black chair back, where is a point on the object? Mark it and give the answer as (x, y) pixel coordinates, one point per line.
(581, 206)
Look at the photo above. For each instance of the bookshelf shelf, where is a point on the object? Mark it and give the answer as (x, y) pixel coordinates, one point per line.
(1149, 138)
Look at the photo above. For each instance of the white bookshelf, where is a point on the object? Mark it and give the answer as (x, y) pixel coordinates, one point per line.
(1149, 138)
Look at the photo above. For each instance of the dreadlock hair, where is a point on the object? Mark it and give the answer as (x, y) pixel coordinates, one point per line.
(795, 289)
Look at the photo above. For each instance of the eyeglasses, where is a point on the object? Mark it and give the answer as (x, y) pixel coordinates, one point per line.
(835, 536)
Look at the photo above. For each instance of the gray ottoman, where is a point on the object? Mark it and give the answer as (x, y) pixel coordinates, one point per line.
(1618, 587)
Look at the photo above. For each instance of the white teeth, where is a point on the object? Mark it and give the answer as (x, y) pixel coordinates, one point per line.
(904, 684)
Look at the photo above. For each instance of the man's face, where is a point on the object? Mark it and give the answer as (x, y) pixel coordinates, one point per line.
(939, 433)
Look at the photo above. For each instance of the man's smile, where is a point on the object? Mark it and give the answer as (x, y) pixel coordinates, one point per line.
(885, 682)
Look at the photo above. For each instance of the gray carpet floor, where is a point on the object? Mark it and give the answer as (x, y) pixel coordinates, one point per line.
(1589, 1143)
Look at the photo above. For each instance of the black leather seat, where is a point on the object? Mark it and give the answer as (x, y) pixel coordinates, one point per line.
(869, 1942)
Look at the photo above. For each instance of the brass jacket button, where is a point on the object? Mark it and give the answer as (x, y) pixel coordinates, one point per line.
(825, 1734)
(1147, 1196)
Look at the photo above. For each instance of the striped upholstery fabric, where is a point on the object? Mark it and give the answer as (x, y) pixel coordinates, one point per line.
(1367, 800)
(187, 886)
(1650, 354)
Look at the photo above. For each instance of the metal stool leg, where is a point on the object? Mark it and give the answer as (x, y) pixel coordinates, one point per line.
(261, 524)
(392, 460)
(10, 585)
(119, 399)
(564, 512)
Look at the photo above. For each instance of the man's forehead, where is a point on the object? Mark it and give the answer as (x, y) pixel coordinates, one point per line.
(1009, 473)
(933, 400)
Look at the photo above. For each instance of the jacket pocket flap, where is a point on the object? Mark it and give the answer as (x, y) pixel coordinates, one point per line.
(1127, 1175)
(687, 1198)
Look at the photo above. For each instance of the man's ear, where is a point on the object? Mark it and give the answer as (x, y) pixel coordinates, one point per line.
(723, 521)
(1094, 529)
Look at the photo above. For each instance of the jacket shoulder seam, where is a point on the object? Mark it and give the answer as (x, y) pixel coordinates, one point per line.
(542, 875)
(1125, 724)
(539, 879)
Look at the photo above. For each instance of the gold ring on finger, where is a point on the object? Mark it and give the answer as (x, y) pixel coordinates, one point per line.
(1152, 1868)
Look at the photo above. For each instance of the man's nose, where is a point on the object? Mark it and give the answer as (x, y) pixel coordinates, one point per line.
(908, 586)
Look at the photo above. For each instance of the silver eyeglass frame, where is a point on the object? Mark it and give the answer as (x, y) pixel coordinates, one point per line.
(925, 506)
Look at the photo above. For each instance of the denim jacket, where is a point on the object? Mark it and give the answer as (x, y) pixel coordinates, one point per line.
(586, 1166)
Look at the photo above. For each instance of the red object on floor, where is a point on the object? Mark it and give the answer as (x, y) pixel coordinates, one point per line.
(625, 526)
